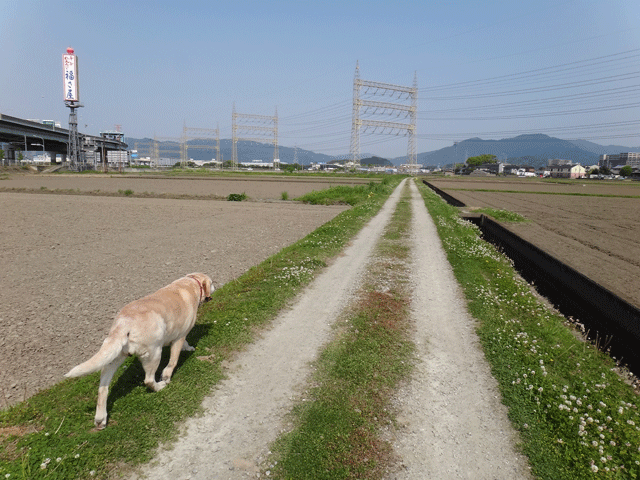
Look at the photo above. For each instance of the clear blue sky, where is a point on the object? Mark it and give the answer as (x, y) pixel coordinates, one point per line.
(488, 69)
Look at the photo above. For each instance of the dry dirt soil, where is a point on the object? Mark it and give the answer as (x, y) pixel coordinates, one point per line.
(596, 235)
(257, 187)
(70, 262)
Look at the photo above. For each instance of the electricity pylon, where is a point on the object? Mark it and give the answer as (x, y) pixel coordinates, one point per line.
(253, 128)
(203, 134)
(377, 109)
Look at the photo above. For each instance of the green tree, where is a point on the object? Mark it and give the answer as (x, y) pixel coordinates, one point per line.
(626, 171)
(481, 159)
(2, 156)
(20, 156)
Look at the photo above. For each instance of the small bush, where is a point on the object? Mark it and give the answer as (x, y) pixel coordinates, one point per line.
(237, 197)
(284, 196)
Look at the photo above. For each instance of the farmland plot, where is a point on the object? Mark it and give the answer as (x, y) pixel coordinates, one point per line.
(596, 235)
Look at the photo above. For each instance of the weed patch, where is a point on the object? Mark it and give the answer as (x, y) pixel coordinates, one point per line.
(237, 197)
(501, 215)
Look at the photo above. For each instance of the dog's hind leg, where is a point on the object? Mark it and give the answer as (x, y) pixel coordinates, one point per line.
(176, 348)
(103, 391)
(150, 364)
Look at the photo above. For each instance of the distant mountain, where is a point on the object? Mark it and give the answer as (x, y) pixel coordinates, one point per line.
(603, 149)
(247, 151)
(534, 150)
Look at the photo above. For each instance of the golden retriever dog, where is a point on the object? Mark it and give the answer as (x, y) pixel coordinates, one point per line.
(142, 328)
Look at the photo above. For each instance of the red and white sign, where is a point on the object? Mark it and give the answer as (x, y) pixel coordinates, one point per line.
(70, 76)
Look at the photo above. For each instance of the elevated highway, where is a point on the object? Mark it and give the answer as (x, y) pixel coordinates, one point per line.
(21, 134)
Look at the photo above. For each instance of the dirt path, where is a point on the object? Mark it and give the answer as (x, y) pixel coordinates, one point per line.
(452, 422)
(454, 425)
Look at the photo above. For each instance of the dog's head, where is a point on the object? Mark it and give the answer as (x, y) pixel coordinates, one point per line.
(206, 284)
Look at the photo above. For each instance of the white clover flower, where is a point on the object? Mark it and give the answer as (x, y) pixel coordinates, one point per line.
(594, 468)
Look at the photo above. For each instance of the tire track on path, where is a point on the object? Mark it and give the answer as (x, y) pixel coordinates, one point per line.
(245, 413)
(452, 423)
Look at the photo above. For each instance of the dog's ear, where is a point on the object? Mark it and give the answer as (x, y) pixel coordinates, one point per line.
(208, 286)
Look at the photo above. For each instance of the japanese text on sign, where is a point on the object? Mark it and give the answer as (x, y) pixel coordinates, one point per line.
(70, 78)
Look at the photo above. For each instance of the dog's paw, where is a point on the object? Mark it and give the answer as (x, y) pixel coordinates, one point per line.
(100, 423)
(159, 385)
(188, 348)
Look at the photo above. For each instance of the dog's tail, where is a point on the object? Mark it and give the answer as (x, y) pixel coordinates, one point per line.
(111, 348)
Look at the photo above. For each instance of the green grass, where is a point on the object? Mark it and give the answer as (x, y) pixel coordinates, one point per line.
(237, 197)
(577, 418)
(58, 423)
(336, 427)
(347, 195)
(501, 215)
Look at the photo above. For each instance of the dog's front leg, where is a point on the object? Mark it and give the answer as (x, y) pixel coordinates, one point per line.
(176, 348)
(103, 391)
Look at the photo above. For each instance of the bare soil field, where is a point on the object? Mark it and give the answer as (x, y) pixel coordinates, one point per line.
(598, 236)
(262, 187)
(70, 262)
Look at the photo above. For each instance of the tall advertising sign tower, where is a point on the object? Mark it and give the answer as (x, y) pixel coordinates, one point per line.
(72, 100)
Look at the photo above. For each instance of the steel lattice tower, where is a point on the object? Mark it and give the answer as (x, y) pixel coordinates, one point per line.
(205, 134)
(258, 127)
(376, 110)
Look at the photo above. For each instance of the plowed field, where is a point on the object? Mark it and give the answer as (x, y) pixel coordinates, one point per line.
(592, 226)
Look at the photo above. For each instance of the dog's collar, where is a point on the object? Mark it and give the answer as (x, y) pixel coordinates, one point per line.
(200, 285)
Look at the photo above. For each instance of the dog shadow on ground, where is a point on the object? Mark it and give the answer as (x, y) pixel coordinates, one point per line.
(132, 377)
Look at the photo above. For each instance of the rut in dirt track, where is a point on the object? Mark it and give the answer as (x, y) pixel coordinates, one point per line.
(452, 427)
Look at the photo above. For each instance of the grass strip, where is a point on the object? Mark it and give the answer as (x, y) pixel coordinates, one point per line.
(336, 424)
(576, 416)
(50, 435)
(501, 215)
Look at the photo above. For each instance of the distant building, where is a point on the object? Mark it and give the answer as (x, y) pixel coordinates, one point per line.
(620, 159)
(567, 171)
